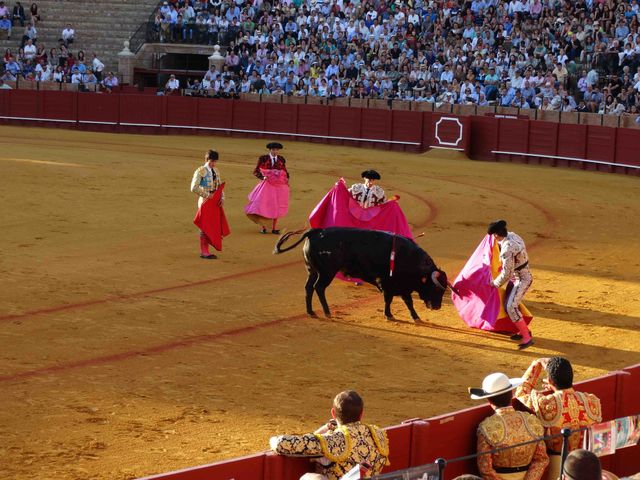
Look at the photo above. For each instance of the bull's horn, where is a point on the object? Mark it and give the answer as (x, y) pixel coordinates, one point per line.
(435, 278)
(453, 289)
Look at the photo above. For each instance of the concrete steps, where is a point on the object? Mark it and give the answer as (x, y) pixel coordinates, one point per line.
(101, 26)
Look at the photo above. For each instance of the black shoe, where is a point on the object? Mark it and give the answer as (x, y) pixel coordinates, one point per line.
(275, 232)
(517, 337)
(522, 346)
(211, 256)
(263, 231)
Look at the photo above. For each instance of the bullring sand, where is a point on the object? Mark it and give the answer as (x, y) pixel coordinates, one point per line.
(124, 354)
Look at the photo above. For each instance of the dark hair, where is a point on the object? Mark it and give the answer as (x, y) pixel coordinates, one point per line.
(560, 372)
(498, 227)
(582, 465)
(348, 406)
(212, 155)
(502, 400)
(467, 476)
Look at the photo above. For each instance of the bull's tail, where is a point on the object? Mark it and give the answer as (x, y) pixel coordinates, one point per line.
(286, 237)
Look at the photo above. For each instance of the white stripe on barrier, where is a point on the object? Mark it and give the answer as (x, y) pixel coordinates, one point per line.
(262, 132)
(267, 132)
(39, 119)
(96, 122)
(447, 148)
(573, 159)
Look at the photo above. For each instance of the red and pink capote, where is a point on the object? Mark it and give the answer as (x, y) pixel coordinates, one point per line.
(210, 219)
(270, 197)
(339, 209)
(479, 304)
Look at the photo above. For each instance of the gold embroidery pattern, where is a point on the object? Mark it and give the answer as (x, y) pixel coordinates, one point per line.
(346, 446)
(508, 427)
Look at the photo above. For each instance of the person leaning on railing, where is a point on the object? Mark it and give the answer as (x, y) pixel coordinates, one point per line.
(561, 407)
(343, 442)
(505, 428)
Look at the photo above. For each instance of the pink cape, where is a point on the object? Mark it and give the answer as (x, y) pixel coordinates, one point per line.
(339, 209)
(211, 219)
(479, 304)
(270, 198)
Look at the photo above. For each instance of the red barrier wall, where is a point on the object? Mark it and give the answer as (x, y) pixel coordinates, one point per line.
(140, 109)
(215, 114)
(479, 137)
(23, 103)
(543, 138)
(98, 108)
(627, 142)
(625, 461)
(345, 122)
(248, 116)
(484, 138)
(513, 135)
(181, 111)
(59, 105)
(281, 118)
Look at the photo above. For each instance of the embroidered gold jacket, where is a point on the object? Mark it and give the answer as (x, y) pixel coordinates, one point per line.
(560, 409)
(367, 198)
(344, 447)
(508, 427)
(205, 182)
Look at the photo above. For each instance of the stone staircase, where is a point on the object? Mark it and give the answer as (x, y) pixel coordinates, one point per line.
(101, 26)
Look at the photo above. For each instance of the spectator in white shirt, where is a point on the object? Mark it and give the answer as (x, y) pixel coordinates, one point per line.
(97, 67)
(173, 84)
(29, 49)
(68, 35)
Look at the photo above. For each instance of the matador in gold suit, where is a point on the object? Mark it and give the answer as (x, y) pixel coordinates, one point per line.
(342, 444)
(563, 407)
(508, 428)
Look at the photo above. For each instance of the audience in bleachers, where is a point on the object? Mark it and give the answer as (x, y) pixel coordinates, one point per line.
(523, 53)
(33, 62)
(555, 55)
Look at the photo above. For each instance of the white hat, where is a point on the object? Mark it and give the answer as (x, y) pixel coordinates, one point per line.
(494, 384)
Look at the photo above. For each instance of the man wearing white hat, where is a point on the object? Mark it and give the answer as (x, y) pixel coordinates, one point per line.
(507, 427)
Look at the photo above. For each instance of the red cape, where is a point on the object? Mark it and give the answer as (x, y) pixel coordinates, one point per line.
(211, 219)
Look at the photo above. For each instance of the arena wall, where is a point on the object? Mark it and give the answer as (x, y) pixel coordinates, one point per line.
(450, 436)
(490, 138)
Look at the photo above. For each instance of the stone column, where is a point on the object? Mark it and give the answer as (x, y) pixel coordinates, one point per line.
(126, 63)
(216, 59)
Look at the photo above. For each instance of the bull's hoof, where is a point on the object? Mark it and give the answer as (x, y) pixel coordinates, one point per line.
(390, 318)
(312, 314)
(328, 315)
(418, 320)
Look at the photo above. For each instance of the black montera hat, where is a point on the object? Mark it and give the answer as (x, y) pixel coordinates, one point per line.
(274, 145)
(370, 174)
(499, 227)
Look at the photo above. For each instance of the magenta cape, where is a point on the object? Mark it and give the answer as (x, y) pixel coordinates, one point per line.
(339, 209)
(211, 219)
(270, 198)
(479, 304)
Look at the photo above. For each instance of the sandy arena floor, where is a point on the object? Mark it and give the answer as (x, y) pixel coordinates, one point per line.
(124, 354)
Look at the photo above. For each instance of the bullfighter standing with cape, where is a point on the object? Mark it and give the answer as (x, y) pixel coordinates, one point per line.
(481, 302)
(269, 200)
(210, 218)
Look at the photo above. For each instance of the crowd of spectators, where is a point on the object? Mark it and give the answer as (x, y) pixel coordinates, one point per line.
(33, 62)
(562, 55)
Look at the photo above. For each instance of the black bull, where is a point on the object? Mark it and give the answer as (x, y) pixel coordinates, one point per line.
(366, 254)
